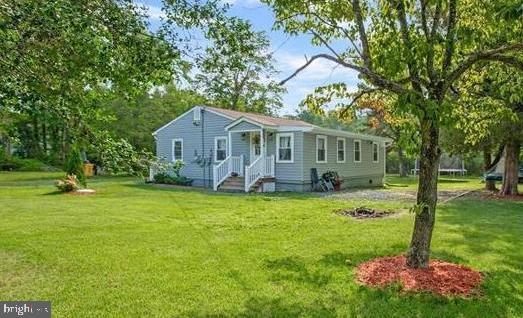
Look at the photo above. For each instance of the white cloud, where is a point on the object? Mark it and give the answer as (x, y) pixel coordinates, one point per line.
(154, 12)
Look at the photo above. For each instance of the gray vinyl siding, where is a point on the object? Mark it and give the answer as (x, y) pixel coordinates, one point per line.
(288, 172)
(354, 173)
(243, 126)
(293, 176)
(214, 126)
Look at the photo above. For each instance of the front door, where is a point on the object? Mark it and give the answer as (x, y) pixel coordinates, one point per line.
(255, 146)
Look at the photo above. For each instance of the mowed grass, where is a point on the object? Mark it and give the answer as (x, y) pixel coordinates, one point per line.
(445, 183)
(135, 250)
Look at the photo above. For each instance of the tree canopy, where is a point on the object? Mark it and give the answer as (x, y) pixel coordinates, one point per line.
(416, 50)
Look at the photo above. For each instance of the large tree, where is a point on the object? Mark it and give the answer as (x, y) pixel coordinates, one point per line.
(61, 57)
(236, 70)
(232, 63)
(416, 50)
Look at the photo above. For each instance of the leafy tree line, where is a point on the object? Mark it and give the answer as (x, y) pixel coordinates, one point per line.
(82, 72)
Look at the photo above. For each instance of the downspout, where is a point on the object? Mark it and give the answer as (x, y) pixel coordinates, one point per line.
(203, 145)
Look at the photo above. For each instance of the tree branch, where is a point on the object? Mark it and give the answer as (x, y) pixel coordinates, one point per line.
(374, 78)
(431, 39)
(492, 54)
(405, 36)
(507, 59)
(358, 95)
(367, 58)
(322, 40)
(449, 40)
(335, 26)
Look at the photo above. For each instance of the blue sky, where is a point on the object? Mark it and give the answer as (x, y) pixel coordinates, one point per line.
(289, 52)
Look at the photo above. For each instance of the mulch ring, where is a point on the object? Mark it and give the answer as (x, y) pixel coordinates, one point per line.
(363, 213)
(441, 277)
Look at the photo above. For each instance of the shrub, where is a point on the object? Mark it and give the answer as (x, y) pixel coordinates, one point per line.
(19, 164)
(74, 165)
(165, 178)
(69, 184)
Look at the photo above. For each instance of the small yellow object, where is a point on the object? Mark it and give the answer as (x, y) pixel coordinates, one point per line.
(88, 169)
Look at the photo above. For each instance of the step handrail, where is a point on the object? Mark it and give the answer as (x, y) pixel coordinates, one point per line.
(254, 172)
(221, 172)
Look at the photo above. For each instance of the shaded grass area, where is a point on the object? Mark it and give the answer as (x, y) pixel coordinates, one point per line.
(445, 183)
(134, 250)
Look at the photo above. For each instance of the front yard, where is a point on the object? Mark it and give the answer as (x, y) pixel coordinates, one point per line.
(135, 250)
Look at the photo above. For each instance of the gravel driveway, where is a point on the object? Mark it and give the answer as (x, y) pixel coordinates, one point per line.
(385, 194)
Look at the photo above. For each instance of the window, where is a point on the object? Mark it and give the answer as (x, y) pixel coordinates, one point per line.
(321, 149)
(375, 152)
(341, 149)
(357, 150)
(177, 149)
(285, 148)
(220, 148)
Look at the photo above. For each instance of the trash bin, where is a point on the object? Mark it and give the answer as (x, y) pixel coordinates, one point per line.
(88, 169)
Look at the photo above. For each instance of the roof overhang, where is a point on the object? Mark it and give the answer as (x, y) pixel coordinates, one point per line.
(250, 121)
(342, 133)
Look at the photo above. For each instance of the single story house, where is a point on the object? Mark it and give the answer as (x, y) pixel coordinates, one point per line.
(226, 149)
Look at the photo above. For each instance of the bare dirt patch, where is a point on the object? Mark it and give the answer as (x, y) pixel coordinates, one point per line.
(441, 277)
(363, 213)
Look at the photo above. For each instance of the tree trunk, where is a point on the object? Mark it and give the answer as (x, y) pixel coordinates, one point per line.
(403, 169)
(511, 172)
(419, 251)
(490, 185)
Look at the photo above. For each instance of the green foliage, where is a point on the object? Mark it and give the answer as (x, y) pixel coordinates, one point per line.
(236, 70)
(69, 184)
(64, 58)
(74, 164)
(165, 178)
(168, 172)
(118, 156)
(135, 119)
(14, 163)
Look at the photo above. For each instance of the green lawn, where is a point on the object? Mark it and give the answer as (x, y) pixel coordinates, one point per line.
(134, 250)
(445, 183)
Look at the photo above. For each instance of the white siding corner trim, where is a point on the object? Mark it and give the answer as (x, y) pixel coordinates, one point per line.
(318, 149)
(375, 152)
(174, 156)
(342, 149)
(281, 146)
(357, 150)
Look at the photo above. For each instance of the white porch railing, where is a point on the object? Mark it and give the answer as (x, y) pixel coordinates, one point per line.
(269, 166)
(236, 165)
(259, 168)
(224, 169)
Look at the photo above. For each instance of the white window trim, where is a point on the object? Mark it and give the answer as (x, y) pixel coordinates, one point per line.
(172, 149)
(318, 137)
(216, 147)
(354, 154)
(278, 135)
(377, 150)
(338, 149)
